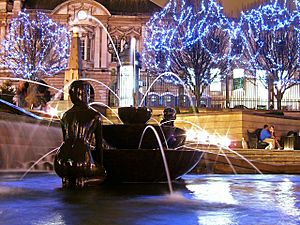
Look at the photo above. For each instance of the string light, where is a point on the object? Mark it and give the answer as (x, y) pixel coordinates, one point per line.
(180, 29)
(271, 38)
(35, 46)
(266, 38)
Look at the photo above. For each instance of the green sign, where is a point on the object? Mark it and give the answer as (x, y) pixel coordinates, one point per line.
(238, 83)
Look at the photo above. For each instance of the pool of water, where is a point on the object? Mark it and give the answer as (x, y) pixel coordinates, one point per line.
(198, 199)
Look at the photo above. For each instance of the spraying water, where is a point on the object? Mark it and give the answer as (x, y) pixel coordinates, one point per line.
(82, 15)
(221, 147)
(40, 159)
(164, 136)
(103, 104)
(31, 81)
(99, 82)
(162, 154)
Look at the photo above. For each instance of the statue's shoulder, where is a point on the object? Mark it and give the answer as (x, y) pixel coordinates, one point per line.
(95, 112)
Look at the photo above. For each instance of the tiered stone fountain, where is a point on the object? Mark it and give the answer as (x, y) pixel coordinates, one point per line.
(126, 161)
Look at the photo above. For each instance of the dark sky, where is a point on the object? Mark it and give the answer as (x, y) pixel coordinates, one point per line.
(235, 6)
(231, 7)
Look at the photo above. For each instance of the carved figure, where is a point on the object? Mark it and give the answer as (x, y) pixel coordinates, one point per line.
(80, 157)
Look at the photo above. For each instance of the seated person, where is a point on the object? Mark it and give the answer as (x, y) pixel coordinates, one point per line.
(272, 131)
(266, 136)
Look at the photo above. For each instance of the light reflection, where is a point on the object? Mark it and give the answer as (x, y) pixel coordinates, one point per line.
(54, 219)
(217, 192)
(286, 200)
(264, 192)
(203, 137)
(216, 219)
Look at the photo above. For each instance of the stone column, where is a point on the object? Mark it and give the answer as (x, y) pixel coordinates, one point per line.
(2, 30)
(17, 6)
(141, 39)
(74, 70)
(97, 48)
(104, 53)
(3, 5)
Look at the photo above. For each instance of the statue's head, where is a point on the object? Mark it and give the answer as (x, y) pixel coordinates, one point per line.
(169, 113)
(80, 92)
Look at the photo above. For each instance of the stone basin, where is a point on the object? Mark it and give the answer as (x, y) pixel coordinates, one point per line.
(127, 136)
(132, 165)
(134, 115)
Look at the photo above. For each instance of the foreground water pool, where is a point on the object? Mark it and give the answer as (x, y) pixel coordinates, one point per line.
(198, 199)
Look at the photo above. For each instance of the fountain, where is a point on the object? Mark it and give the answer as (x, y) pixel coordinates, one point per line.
(133, 153)
(127, 157)
(199, 199)
(130, 159)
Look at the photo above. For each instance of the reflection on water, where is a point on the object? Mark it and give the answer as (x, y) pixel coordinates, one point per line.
(198, 199)
(286, 198)
(210, 191)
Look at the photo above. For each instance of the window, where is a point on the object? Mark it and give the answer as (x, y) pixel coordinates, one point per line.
(120, 44)
(153, 98)
(111, 49)
(82, 47)
(88, 49)
(85, 47)
(168, 98)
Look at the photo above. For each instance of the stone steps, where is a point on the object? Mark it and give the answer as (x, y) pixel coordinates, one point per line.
(267, 156)
(268, 161)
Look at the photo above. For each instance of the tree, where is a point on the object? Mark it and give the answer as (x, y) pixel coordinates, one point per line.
(190, 38)
(271, 38)
(35, 46)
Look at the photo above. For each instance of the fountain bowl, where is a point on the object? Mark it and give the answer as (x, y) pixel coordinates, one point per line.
(134, 115)
(127, 136)
(140, 165)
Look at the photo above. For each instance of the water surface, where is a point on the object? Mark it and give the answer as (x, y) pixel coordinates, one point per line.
(198, 199)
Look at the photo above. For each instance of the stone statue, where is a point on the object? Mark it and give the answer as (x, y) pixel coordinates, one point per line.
(169, 116)
(176, 136)
(80, 157)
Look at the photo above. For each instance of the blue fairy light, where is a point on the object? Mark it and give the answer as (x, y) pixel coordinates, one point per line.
(35, 46)
(264, 38)
(182, 26)
(270, 35)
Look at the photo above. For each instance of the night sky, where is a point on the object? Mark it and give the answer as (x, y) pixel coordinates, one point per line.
(234, 7)
(231, 7)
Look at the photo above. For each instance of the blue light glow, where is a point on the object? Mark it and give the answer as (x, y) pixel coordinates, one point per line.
(271, 38)
(35, 46)
(193, 38)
